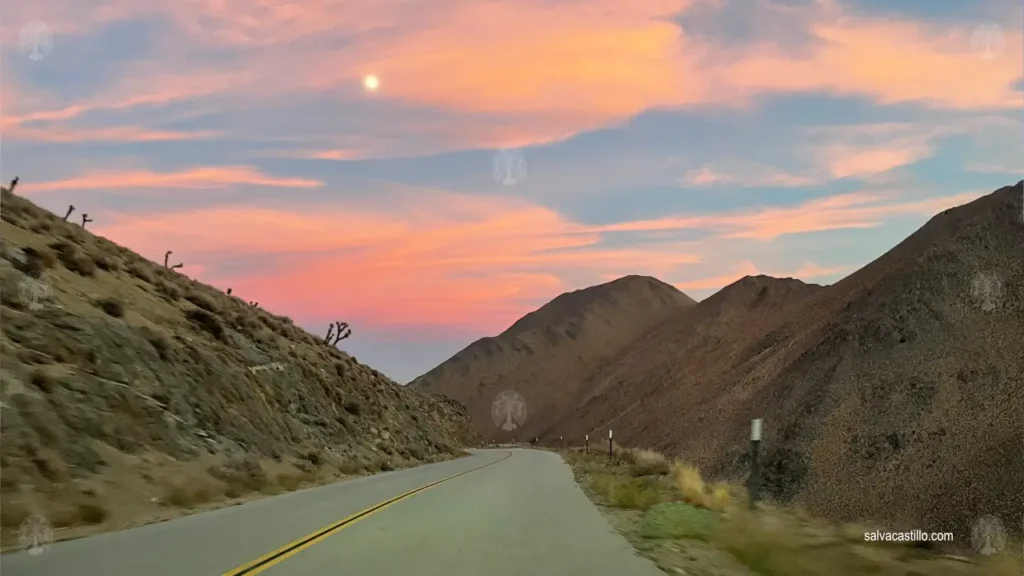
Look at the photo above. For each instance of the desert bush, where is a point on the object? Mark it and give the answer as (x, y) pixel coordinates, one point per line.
(352, 407)
(105, 262)
(168, 289)
(649, 463)
(73, 259)
(688, 481)
(203, 301)
(112, 306)
(241, 476)
(91, 513)
(158, 340)
(42, 380)
(351, 467)
(37, 261)
(139, 271)
(40, 226)
(209, 322)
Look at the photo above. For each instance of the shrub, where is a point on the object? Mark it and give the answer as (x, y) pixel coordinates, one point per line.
(37, 260)
(90, 513)
(159, 341)
(41, 380)
(137, 270)
(73, 259)
(649, 463)
(203, 301)
(352, 407)
(105, 262)
(691, 487)
(112, 306)
(168, 290)
(208, 322)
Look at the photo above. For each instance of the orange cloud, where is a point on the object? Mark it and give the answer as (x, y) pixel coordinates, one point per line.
(208, 177)
(109, 134)
(444, 259)
(453, 259)
(558, 68)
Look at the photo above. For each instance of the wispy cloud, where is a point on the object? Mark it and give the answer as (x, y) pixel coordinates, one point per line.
(208, 177)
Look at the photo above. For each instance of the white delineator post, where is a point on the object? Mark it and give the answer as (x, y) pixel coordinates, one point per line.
(586, 444)
(754, 481)
(610, 451)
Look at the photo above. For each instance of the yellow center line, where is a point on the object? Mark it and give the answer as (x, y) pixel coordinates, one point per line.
(289, 550)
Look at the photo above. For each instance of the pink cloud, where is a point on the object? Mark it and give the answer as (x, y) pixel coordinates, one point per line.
(561, 68)
(107, 134)
(430, 257)
(207, 177)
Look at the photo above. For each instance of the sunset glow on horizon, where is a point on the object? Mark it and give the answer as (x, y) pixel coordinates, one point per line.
(696, 141)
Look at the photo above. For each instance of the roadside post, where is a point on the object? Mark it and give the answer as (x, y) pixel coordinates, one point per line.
(586, 444)
(754, 481)
(611, 453)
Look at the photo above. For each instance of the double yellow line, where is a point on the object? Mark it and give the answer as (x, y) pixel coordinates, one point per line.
(289, 550)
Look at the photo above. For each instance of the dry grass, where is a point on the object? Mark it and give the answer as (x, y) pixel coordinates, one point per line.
(688, 525)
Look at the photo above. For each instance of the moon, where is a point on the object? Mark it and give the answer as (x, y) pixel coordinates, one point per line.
(371, 83)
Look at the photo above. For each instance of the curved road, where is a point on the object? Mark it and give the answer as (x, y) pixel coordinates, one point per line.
(504, 513)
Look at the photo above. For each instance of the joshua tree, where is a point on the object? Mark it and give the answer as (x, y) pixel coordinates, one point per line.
(85, 220)
(71, 208)
(337, 332)
(14, 183)
(168, 255)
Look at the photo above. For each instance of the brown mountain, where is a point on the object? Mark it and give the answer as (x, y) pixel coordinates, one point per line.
(547, 353)
(895, 395)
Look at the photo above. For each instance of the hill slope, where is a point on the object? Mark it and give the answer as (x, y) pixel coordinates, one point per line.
(547, 353)
(896, 394)
(129, 388)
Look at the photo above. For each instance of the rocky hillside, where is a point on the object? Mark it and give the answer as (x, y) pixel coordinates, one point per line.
(895, 395)
(130, 390)
(546, 354)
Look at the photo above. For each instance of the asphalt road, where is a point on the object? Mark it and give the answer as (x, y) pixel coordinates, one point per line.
(510, 512)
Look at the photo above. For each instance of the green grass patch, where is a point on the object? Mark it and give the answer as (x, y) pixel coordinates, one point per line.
(677, 520)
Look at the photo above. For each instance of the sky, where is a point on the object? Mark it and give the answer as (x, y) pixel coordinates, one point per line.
(511, 151)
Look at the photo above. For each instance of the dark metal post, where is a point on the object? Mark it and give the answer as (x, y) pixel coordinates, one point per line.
(586, 444)
(611, 452)
(754, 482)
